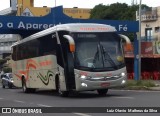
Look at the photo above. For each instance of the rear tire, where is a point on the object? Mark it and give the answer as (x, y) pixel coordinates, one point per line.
(102, 91)
(24, 87)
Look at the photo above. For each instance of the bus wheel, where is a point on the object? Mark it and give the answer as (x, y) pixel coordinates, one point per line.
(24, 87)
(3, 86)
(60, 92)
(102, 91)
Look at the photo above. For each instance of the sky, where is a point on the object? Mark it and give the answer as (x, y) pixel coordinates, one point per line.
(79, 3)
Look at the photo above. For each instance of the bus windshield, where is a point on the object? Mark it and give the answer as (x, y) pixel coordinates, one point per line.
(98, 51)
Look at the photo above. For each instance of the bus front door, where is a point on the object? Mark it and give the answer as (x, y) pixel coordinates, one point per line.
(66, 61)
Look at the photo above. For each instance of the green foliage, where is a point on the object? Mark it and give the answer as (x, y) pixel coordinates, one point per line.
(140, 83)
(5, 65)
(7, 70)
(116, 11)
(2, 61)
(98, 12)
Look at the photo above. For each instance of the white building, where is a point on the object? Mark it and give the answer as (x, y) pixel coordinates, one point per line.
(6, 40)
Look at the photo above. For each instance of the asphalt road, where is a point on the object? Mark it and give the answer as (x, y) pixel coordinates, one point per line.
(115, 98)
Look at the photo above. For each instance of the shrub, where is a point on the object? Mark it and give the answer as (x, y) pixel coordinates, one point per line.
(7, 70)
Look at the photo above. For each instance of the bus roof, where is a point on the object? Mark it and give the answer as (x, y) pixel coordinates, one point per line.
(72, 27)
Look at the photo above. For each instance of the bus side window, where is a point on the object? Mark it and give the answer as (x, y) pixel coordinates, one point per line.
(14, 53)
(47, 45)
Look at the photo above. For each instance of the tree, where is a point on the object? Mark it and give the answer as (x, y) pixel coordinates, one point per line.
(98, 12)
(2, 61)
(116, 11)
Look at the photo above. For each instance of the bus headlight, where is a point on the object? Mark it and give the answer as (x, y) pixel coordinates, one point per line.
(123, 74)
(123, 82)
(83, 77)
(83, 84)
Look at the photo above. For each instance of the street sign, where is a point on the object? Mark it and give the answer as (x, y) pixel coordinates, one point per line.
(19, 24)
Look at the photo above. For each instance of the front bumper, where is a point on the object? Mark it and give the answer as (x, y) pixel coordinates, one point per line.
(84, 85)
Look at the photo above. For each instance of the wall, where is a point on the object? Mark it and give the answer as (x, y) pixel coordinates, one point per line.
(26, 8)
(82, 13)
(153, 24)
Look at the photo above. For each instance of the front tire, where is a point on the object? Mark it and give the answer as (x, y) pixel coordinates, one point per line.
(24, 87)
(102, 91)
(3, 86)
(60, 92)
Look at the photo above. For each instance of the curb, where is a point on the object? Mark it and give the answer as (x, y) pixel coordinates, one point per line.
(154, 88)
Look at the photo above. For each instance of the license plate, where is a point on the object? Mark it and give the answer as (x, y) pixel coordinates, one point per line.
(105, 84)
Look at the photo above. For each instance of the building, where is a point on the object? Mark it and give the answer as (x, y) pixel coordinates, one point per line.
(81, 13)
(150, 45)
(150, 24)
(150, 31)
(12, 10)
(26, 8)
(7, 40)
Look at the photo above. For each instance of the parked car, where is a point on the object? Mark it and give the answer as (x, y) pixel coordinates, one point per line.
(7, 80)
(2, 75)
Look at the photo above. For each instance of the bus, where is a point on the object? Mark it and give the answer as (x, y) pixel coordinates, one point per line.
(70, 57)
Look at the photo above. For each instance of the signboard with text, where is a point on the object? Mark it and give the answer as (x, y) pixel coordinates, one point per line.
(18, 24)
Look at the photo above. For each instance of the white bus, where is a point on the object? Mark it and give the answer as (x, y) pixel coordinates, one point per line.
(70, 57)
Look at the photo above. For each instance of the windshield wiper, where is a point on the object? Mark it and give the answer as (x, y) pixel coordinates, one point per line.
(107, 57)
(96, 56)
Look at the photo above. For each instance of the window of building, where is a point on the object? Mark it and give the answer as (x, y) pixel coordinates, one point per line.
(148, 33)
(1, 44)
(157, 29)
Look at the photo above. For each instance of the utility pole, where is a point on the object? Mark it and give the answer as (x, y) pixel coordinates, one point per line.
(139, 42)
(55, 3)
(132, 2)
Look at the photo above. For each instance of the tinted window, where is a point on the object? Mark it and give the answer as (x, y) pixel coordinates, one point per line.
(38, 47)
(47, 45)
(14, 53)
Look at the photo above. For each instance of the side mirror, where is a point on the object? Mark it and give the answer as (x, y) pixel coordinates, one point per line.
(125, 38)
(71, 43)
(128, 42)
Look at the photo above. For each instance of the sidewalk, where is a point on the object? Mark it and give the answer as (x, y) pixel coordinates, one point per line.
(157, 88)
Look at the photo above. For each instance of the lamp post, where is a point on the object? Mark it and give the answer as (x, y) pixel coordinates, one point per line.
(139, 42)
